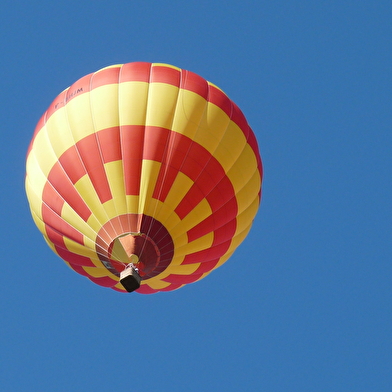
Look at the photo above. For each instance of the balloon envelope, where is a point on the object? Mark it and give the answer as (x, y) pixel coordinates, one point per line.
(143, 163)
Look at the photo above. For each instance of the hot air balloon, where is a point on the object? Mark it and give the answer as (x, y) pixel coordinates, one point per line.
(143, 177)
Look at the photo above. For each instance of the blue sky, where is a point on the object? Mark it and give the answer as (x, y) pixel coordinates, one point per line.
(305, 302)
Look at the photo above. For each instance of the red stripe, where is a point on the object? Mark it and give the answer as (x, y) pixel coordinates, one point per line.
(73, 258)
(197, 159)
(238, 117)
(79, 269)
(135, 72)
(220, 99)
(193, 197)
(210, 181)
(56, 228)
(198, 164)
(58, 102)
(91, 156)
(132, 142)
(222, 196)
(195, 83)
(191, 278)
(62, 184)
(72, 164)
(167, 175)
(110, 144)
(206, 266)
(224, 234)
(172, 162)
(171, 287)
(105, 76)
(205, 183)
(104, 281)
(146, 289)
(54, 236)
(206, 255)
(202, 256)
(155, 143)
(52, 198)
(252, 141)
(182, 279)
(85, 158)
(163, 74)
(224, 217)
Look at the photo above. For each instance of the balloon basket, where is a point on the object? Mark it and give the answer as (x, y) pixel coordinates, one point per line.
(130, 279)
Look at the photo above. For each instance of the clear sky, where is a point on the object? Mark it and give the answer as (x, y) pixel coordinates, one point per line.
(305, 302)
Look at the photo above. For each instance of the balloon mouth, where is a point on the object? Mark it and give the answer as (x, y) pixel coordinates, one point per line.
(138, 239)
(138, 249)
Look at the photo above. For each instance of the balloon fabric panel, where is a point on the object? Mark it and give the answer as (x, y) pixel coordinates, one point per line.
(147, 163)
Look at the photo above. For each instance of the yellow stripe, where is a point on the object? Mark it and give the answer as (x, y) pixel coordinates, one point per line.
(222, 260)
(104, 106)
(50, 244)
(38, 222)
(110, 209)
(110, 66)
(214, 85)
(94, 223)
(199, 244)
(198, 214)
(230, 146)
(170, 220)
(179, 189)
(87, 192)
(203, 276)
(245, 218)
(249, 193)
(115, 176)
(213, 127)
(78, 249)
(43, 151)
(163, 212)
(88, 250)
(71, 217)
(119, 286)
(58, 131)
(118, 252)
(162, 100)
(189, 114)
(100, 273)
(148, 179)
(34, 189)
(133, 98)
(155, 284)
(243, 169)
(209, 126)
(79, 120)
(184, 269)
(132, 204)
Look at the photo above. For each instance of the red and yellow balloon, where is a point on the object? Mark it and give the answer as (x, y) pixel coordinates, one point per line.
(143, 163)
